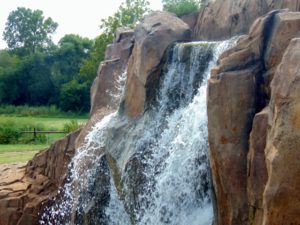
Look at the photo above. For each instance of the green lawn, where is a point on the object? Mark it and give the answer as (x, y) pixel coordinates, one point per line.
(51, 123)
(12, 153)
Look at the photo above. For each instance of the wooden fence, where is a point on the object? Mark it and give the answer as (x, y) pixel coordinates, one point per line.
(36, 132)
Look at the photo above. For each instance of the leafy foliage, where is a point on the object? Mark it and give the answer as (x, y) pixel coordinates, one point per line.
(36, 72)
(181, 7)
(28, 30)
(11, 132)
(38, 78)
(71, 126)
(127, 15)
(74, 96)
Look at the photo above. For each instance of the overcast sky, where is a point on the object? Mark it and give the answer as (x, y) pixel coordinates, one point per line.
(73, 16)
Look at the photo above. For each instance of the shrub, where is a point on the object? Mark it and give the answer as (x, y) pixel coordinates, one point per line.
(11, 132)
(181, 7)
(25, 110)
(71, 126)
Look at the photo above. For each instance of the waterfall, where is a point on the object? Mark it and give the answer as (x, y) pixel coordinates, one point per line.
(152, 170)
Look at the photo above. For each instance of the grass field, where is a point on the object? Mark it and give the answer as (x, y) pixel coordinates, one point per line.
(13, 153)
(50, 123)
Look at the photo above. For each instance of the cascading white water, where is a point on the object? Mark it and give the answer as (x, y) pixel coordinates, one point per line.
(162, 156)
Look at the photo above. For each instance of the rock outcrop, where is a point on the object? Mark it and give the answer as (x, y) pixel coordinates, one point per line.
(24, 190)
(107, 86)
(251, 122)
(222, 19)
(152, 37)
(281, 196)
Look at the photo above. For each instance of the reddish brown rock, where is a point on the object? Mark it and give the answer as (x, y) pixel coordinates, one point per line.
(105, 91)
(257, 172)
(222, 19)
(152, 36)
(24, 190)
(105, 84)
(281, 203)
(190, 19)
(230, 113)
(239, 88)
(285, 27)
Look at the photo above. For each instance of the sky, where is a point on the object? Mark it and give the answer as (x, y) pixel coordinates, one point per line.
(80, 17)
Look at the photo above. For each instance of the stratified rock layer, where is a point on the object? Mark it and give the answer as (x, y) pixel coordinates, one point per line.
(257, 189)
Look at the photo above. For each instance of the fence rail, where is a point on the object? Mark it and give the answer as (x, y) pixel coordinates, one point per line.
(43, 132)
(36, 132)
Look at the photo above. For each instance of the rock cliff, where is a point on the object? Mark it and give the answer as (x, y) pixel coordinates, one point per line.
(222, 19)
(252, 124)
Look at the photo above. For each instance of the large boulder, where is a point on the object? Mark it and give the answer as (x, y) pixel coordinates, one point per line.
(222, 19)
(238, 96)
(152, 37)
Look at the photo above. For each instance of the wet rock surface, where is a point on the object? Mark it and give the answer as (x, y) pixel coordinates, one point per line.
(152, 37)
(250, 109)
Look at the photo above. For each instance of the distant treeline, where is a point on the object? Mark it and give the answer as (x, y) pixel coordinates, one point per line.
(35, 71)
(50, 77)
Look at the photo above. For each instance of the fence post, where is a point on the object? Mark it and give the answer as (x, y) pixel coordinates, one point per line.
(34, 135)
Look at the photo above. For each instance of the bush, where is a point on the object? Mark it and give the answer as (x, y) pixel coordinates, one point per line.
(25, 110)
(71, 126)
(11, 132)
(36, 111)
(74, 97)
(181, 7)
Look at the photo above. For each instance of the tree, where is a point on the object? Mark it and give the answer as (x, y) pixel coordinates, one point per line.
(9, 65)
(67, 58)
(28, 30)
(74, 97)
(127, 15)
(89, 67)
(181, 7)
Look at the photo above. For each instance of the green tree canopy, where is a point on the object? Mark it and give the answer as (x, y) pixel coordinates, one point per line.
(9, 65)
(72, 50)
(28, 30)
(181, 7)
(127, 15)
